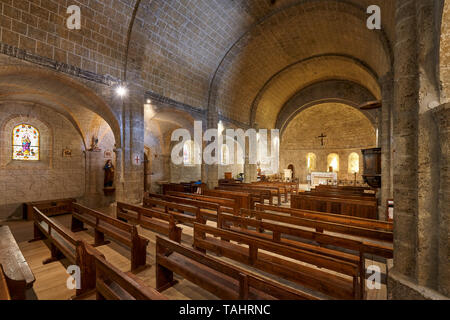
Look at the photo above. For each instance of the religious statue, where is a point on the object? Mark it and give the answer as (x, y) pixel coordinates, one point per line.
(26, 146)
(109, 174)
(94, 144)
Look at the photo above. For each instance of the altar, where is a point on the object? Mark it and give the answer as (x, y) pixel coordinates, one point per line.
(318, 178)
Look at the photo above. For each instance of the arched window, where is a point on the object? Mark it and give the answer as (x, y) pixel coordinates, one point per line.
(225, 155)
(333, 162)
(353, 163)
(25, 142)
(311, 161)
(188, 153)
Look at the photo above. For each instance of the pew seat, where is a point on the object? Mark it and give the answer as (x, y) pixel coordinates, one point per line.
(4, 290)
(114, 228)
(281, 260)
(65, 243)
(153, 220)
(16, 271)
(221, 279)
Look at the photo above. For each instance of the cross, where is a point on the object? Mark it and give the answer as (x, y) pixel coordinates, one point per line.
(322, 136)
(137, 159)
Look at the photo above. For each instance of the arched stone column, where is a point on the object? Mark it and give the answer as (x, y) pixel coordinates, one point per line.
(384, 141)
(415, 274)
(212, 170)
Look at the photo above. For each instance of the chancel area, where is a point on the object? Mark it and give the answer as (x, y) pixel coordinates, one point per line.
(224, 150)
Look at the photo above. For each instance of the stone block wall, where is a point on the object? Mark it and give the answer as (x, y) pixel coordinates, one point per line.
(54, 176)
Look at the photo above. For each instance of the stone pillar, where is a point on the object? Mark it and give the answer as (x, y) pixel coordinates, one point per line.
(384, 141)
(132, 184)
(405, 141)
(212, 170)
(442, 117)
(417, 246)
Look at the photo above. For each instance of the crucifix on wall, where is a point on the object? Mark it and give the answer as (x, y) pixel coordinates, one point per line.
(321, 137)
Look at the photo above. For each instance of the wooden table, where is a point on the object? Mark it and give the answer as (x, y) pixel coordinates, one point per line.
(19, 276)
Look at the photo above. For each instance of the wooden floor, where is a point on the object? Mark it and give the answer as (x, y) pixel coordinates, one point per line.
(51, 279)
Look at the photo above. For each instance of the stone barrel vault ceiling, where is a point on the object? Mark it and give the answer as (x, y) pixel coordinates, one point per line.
(220, 55)
(243, 55)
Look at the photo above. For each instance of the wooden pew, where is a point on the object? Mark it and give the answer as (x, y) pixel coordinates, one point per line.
(221, 279)
(48, 207)
(285, 189)
(274, 191)
(207, 209)
(113, 284)
(64, 243)
(351, 207)
(257, 194)
(116, 229)
(16, 273)
(156, 221)
(282, 261)
(243, 199)
(345, 189)
(321, 226)
(364, 197)
(307, 240)
(330, 217)
(4, 290)
(227, 205)
(180, 212)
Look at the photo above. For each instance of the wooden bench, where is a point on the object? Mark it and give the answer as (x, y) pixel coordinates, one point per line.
(363, 197)
(208, 210)
(116, 229)
(226, 205)
(4, 290)
(282, 260)
(242, 199)
(64, 243)
(156, 221)
(273, 192)
(221, 279)
(256, 194)
(286, 189)
(321, 226)
(351, 207)
(180, 212)
(330, 217)
(48, 207)
(354, 251)
(113, 284)
(17, 274)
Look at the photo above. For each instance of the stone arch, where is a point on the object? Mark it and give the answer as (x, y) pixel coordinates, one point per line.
(338, 91)
(242, 49)
(60, 92)
(304, 73)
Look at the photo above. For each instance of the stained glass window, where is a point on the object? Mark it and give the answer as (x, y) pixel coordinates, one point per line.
(25, 141)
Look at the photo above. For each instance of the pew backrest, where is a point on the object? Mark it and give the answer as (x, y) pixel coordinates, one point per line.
(113, 284)
(250, 286)
(282, 264)
(320, 226)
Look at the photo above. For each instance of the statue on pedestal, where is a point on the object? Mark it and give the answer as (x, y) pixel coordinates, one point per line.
(109, 174)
